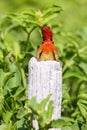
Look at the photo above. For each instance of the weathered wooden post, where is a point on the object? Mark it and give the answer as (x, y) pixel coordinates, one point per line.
(45, 77)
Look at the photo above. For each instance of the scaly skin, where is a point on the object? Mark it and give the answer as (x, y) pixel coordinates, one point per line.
(47, 50)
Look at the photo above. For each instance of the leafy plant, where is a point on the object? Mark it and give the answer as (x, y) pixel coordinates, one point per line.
(19, 38)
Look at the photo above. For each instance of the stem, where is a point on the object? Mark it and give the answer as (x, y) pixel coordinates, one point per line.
(28, 36)
(29, 33)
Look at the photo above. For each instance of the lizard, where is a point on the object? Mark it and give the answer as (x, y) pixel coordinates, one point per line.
(47, 50)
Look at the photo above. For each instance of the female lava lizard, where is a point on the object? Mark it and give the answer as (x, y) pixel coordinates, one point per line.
(47, 50)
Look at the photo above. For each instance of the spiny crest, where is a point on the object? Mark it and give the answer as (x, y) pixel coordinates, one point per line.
(47, 33)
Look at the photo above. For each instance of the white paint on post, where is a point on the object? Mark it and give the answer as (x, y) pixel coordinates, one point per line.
(45, 77)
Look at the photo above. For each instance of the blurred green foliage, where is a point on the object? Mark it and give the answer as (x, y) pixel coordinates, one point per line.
(73, 18)
(20, 35)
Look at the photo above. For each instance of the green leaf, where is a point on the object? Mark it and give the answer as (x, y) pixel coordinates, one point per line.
(24, 82)
(2, 76)
(68, 119)
(49, 111)
(82, 109)
(59, 123)
(19, 91)
(21, 113)
(3, 127)
(83, 101)
(75, 126)
(83, 96)
(83, 57)
(16, 49)
(1, 100)
(76, 74)
(7, 116)
(83, 33)
(14, 81)
(52, 10)
(1, 55)
(29, 12)
(83, 66)
(51, 13)
(42, 105)
(8, 76)
(7, 126)
(66, 128)
(84, 127)
(66, 95)
(19, 123)
(33, 105)
(46, 116)
(38, 108)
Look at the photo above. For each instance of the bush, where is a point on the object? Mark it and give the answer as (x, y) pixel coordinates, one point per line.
(19, 38)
